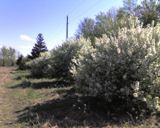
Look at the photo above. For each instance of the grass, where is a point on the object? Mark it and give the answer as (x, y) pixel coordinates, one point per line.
(44, 103)
(15, 98)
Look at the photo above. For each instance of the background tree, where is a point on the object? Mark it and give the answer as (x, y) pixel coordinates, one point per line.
(86, 29)
(3, 55)
(127, 16)
(149, 11)
(7, 56)
(129, 6)
(21, 62)
(12, 56)
(39, 47)
(105, 23)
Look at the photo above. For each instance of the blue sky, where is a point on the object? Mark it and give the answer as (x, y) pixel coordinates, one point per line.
(22, 20)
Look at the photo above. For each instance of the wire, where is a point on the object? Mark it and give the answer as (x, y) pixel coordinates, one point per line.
(72, 19)
(72, 11)
(86, 11)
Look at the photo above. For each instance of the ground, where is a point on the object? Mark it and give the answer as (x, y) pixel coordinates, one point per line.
(5, 102)
(47, 103)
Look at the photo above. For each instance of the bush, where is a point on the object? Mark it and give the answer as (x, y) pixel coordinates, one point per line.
(123, 68)
(58, 63)
(61, 57)
(22, 62)
(39, 67)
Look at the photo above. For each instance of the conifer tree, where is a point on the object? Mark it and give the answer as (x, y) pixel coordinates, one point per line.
(39, 47)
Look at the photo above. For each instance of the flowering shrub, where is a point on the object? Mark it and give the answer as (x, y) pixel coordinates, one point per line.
(39, 67)
(123, 68)
(57, 64)
(61, 57)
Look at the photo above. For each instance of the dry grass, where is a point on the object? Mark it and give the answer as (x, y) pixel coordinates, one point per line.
(5, 75)
(6, 118)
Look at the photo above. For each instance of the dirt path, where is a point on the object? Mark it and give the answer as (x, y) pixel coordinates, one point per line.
(6, 106)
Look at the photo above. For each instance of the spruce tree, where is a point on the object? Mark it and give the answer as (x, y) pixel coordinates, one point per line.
(39, 47)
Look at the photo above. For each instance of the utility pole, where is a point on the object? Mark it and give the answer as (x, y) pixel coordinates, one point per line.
(67, 28)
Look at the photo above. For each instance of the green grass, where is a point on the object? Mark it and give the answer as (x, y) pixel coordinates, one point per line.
(19, 94)
(33, 103)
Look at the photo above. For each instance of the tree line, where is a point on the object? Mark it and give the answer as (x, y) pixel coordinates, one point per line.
(148, 12)
(11, 57)
(7, 56)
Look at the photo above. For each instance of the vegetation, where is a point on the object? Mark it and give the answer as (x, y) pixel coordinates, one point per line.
(86, 29)
(39, 66)
(61, 57)
(107, 76)
(22, 62)
(39, 47)
(149, 12)
(123, 69)
(7, 56)
(57, 63)
(36, 103)
(109, 23)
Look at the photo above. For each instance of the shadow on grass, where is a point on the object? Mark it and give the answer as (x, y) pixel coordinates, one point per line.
(65, 112)
(41, 84)
(27, 81)
(21, 74)
(74, 111)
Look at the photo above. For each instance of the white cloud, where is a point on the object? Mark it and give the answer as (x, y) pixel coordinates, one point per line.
(26, 38)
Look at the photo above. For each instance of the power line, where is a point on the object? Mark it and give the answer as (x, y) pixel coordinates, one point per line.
(92, 6)
(86, 11)
(72, 11)
(74, 18)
